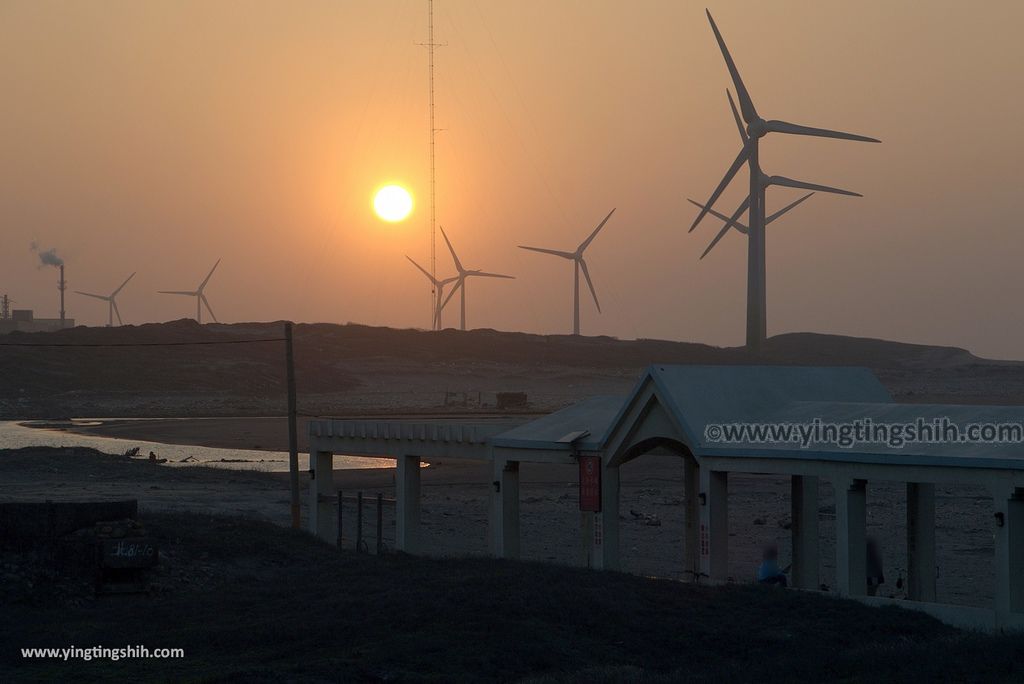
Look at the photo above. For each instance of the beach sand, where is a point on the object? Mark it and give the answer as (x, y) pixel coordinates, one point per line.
(455, 504)
(349, 371)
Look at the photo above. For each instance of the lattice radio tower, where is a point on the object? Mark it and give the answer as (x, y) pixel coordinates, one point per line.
(430, 45)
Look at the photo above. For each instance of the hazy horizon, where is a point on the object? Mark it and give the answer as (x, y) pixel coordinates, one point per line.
(159, 137)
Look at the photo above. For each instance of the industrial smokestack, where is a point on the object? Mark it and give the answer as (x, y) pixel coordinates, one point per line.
(49, 257)
(62, 285)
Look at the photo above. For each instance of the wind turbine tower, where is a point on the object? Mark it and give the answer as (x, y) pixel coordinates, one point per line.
(579, 264)
(111, 301)
(199, 294)
(438, 287)
(460, 281)
(757, 128)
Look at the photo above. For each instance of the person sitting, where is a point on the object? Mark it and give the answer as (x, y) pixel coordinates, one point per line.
(769, 572)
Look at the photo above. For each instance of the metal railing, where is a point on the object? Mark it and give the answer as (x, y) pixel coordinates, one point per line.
(382, 544)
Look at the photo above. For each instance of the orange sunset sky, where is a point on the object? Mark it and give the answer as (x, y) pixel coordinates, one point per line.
(158, 136)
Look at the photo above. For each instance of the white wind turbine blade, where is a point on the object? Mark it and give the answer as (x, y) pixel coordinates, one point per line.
(790, 183)
(206, 303)
(736, 116)
(461, 283)
(121, 287)
(422, 270)
(786, 208)
(775, 126)
(455, 257)
(207, 279)
(586, 243)
(564, 255)
(746, 104)
(730, 222)
(485, 274)
(719, 215)
(94, 296)
(741, 159)
(590, 283)
(113, 303)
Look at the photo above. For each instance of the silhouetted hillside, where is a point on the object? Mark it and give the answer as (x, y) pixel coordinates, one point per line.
(362, 369)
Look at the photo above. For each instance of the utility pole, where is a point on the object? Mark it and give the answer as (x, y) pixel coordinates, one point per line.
(62, 285)
(293, 434)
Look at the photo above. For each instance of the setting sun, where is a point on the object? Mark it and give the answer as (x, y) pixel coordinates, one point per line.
(392, 203)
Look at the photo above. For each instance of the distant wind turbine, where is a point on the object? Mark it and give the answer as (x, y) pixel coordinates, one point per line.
(439, 286)
(757, 128)
(579, 264)
(201, 300)
(460, 281)
(111, 301)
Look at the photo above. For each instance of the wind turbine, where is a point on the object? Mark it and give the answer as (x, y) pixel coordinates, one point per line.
(579, 264)
(111, 301)
(439, 286)
(460, 281)
(728, 220)
(198, 294)
(730, 223)
(757, 128)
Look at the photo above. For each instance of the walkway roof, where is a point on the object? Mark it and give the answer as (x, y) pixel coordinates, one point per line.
(699, 396)
(694, 397)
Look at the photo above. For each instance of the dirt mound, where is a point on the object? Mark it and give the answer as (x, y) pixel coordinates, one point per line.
(818, 349)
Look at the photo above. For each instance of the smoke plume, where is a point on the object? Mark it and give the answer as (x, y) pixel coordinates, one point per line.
(47, 257)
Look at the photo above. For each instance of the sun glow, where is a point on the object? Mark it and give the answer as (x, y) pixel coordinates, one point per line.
(392, 203)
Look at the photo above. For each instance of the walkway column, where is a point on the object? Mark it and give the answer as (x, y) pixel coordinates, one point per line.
(804, 515)
(602, 529)
(609, 518)
(1009, 538)
(407, 504)
(322, 515)
(691, 535)
(921, 541)
(714, 524)
(851, 537)
(504, 521)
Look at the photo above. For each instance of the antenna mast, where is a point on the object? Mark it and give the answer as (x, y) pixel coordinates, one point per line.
(433, 182)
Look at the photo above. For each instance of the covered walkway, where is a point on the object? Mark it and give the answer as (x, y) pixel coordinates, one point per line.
(682, 410)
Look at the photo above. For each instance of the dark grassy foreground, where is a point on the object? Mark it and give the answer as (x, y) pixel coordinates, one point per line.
(252, 602)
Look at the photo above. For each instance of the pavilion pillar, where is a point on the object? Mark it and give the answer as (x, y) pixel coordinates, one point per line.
(691, 498)
(407, 504)
(714, 524)
(322, 515)
(1009, 557)
(851, 537)
(921, 541)
(601, 530)
(804, 516)
(609, 517)
(504, 519)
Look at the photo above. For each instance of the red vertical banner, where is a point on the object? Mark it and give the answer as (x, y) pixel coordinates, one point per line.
(590, 484)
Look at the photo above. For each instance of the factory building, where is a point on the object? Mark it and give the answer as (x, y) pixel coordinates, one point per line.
(24, 320)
